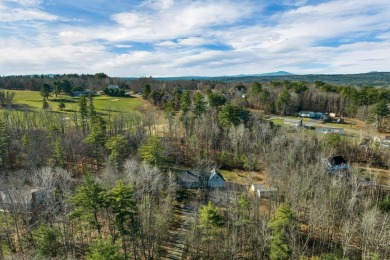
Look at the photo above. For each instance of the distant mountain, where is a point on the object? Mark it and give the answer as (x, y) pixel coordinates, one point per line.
(363, 79)
(269, 74)
(278, 73)
(373, 78)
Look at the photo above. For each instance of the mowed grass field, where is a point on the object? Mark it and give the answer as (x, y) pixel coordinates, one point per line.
(33, 100)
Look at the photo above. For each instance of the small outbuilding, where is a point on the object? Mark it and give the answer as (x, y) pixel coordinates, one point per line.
(262, 191)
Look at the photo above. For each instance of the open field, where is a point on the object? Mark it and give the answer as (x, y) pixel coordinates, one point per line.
(33, 100)
(243, 177)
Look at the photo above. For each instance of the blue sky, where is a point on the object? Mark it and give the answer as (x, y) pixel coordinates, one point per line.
(182, 37)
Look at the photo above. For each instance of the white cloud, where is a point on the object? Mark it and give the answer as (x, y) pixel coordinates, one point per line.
(159, 4)
(26, 10)
(194, 41)
(180, 20)
(26, 15)
(22, 59)
(309, 26)
(384, 36)
(123, 46)
(166, 44)
(177, 34)
(186, 42)
(25, 2)
(129, 20)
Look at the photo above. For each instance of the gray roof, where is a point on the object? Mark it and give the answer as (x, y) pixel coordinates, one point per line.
(188, 176)
(216, 175)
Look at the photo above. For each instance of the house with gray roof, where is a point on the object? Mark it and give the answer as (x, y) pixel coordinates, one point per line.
(216, 180)
(192, 180)
(189, 179)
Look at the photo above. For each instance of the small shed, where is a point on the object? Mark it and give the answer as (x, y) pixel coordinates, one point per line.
(262, 191)
(216, 180)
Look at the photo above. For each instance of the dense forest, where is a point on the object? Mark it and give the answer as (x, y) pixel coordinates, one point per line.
(99, 81)
(373, 79)
(90, 184)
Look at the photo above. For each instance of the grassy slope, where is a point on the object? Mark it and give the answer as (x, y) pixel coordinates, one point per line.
(32, 99)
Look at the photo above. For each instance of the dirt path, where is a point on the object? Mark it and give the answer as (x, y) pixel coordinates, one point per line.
(184, 216)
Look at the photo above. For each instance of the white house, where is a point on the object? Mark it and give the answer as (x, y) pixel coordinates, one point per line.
(262, 191)
(111, 86)
(216, 180)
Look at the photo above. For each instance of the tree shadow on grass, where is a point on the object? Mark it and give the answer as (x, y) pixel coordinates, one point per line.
(63, 100)
(64, 111)
(21, 107)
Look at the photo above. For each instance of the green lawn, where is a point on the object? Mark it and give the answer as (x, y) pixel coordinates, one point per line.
(229, 175)
(116, 104)
(33, 99)
(277, 121)
(30, 99)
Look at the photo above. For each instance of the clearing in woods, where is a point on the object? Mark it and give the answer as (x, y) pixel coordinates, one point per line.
(33, 100)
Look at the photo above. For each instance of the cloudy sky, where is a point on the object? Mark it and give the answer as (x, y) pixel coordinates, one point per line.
(193, 37)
